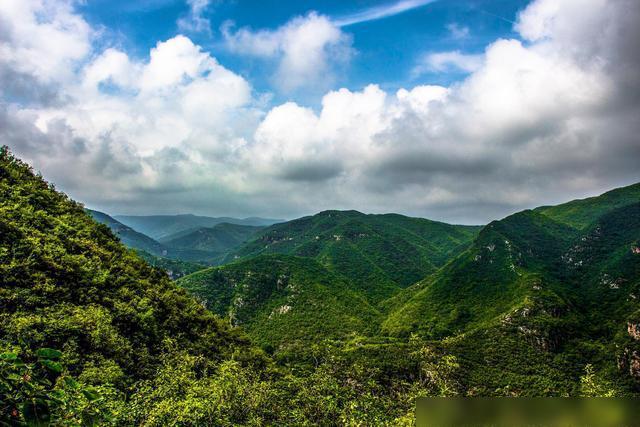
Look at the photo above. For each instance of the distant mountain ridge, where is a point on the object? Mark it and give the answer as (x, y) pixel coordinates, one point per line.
(219, 238)
(128, 235)
(163, 226)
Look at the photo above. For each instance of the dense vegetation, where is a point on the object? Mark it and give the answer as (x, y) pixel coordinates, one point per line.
(378, 254)
(280, 299)
(90, 333)
(540, 294)
(349, 317)
(219, 238)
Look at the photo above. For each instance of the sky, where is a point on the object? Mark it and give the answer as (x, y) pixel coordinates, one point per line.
(457, 110)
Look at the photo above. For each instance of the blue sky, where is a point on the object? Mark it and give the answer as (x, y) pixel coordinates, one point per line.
(456, 110)
(386, 49)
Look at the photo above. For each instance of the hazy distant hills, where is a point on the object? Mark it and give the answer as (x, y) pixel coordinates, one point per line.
(129, 236)
(178, 252)
(164, 226)
(219, 238)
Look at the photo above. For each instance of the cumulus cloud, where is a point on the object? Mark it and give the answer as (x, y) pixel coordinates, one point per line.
(539, 118)
(307, 49)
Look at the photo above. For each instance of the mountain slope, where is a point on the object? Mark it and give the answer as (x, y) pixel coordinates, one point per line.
(378, 254)
(581, 213)
(496, 273)
(162, 226)
(67, 283)
(219, 238)
(539, 299)
(511, 255)
(282, 300)
(128, 235)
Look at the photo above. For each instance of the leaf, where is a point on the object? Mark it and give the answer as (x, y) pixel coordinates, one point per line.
(36, 413)
(71, 383)
(8, 356)
(48, 353)
(52, 366)
(91, 394)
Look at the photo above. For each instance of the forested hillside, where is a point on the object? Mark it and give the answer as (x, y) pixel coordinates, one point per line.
(540, 303)
(91, 334)
(221, 238)
(378, 254)
(541, 293)
(284, 301)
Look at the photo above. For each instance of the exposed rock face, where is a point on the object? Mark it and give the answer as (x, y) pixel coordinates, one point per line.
(634, 365)
(634, 330)
(630, 360)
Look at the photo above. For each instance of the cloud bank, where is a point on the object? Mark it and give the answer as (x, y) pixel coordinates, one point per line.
(549, 115)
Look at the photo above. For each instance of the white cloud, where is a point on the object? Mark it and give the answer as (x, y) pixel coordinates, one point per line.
(41, 39)
(458, 31)
(447, 61)
(381, 12)
(534, 122)
(306, 49)
(195, 20)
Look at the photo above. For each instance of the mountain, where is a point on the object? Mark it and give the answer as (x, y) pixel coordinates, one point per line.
(160, 227)
(219, 238)
(80, 309)
(540, 294)
(282, 299)
(90, 334)
(128, 235)
(377, 254)
(181, 253)
(509, 258)
(581, 213)
(544, 302)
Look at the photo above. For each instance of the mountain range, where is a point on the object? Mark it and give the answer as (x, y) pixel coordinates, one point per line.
(336, 316)
(555, 287)
(161, 227)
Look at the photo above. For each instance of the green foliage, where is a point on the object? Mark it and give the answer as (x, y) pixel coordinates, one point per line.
(175, 268)
(67, 283)
(582, 213)
(278, 300)
(219, 238)
(35, 390)
(92, 334)
(593, 386)
(378, 254)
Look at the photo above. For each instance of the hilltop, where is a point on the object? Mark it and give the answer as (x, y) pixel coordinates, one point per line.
(377, 254)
